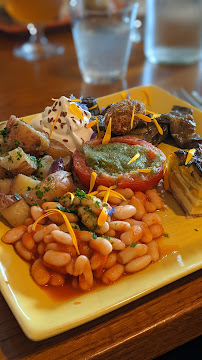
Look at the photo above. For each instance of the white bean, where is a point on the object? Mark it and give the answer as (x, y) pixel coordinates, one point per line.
(127, 192)
(146, 236)
(13, 235)
(103, 229)
(119, 225)
(113, 274)
(36, 212)
(117, 244)
(80, 264)
(86, 279)
(153, 250)
(151, 219)
(61, 237)
(124, 212)
(40, 273)
(56, 258)
(138, 264)
(101, 245)
(111, 260)
(140, 210)
(130, 253)
(154, 198)
(22, 251)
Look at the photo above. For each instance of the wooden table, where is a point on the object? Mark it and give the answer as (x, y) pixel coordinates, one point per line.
(152, 325)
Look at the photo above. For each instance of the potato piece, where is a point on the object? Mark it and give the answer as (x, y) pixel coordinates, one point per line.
(6, 201)
(55, 185)
(25, 136)
(17, 213)
(21, 184)
(44, 165)
(57, 149)
(5, 185)
(18, 162)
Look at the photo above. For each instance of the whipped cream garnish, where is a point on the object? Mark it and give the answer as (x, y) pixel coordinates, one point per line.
(69, 128)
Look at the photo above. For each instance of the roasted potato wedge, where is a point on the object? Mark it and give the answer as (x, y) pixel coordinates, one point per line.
(18, 162)
(57, 149)
(17, 213)
(18, 133)
(55, 185)
(21, 184)
(5, 185)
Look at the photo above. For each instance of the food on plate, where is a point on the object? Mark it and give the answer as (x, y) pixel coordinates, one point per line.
(120, 114)
(17, 161)
(182, 126)
(17, 133)
(65, 122)
(184, 171)
(17, 213)
(110, 162)
(153, 127)
(115, 240)
(53, 186)
(91, 104)
(56, 149)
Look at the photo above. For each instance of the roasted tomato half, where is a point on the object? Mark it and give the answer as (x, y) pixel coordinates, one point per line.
(110, 162)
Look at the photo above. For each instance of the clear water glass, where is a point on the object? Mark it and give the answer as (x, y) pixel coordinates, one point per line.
(101, 30)
(173, 31)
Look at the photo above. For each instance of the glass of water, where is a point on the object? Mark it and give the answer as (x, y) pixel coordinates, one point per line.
(101, 30)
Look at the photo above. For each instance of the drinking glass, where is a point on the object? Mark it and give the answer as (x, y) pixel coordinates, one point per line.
(173, 31)
(35, 14)
(101, 30)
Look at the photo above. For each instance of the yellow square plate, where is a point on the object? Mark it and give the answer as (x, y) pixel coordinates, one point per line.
(40, 316)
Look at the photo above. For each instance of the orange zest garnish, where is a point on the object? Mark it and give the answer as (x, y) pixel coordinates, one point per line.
(71, 195)
(91, 124)
(132, 117)
(92, 107)
(144, 171)
(78, 100)
(56, 119)
(160, 130)
(94, 193)
(107, 135)
(104, 213)
(92, 180)
(54, 99)
(143, 117)
(189, 156)
(69, 227)
(123, 95)
(97, 122)
(134, 158)
(75, 110)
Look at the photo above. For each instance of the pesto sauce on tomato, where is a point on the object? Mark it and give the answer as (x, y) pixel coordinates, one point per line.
(113, 158)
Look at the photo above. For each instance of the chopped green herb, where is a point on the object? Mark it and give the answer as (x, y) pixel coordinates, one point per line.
(10, 158)
(4, 132)
(86, 208)
(106, 237)
(97, 203)
(56, 198)
(17, 196)
(17, 143)
(195, 229)
(47, 188)
(81, 194)
(166, 235)
(133, 245)
(35, 204)
(19, 155)
(94, 236)
(39, 194)
(39, 164)
(105, 205)
(29, 188)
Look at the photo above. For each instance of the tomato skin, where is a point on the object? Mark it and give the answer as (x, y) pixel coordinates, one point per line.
(132, 181)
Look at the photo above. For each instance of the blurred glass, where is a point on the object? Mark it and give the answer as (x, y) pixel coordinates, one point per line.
(35, 14)
(101, 31)
(173, 31)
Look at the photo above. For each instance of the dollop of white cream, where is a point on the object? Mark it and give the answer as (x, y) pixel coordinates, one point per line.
(69, 129)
